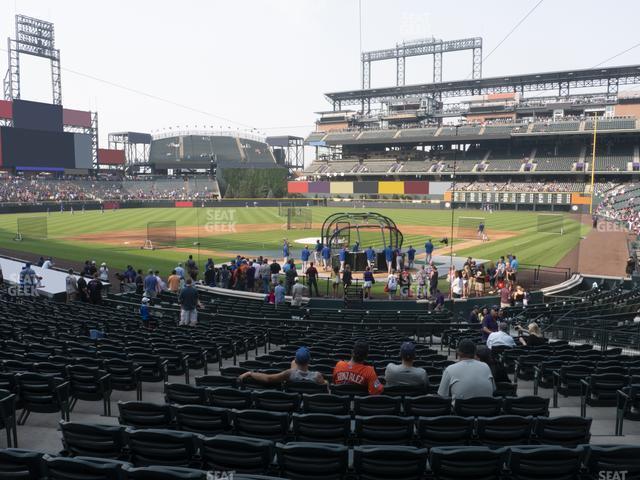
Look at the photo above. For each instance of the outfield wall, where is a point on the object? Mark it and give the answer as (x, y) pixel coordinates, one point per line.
(409, 187)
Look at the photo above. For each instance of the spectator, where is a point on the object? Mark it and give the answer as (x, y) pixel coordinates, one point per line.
(505, 296)
(312, 279)
(103, 272)
(297, 291)
(279, 292)
(499, 373)
(355, 372)
(335, 281)
(188, 300)
(392, 285)
(209, 276)
(71, 286)
(368, 281)
(265, 275)
(192, 268)
(473, 316)
(347, 278)
(139, 282)
(457, 284)
(47, 264)
(439, 300)
(94, 287)
(489, 324)
(144, 312)
(275, 271)
(271, 296)
(180, 270)
(299, 371)
(534, 335)
(83, 292)
(173, 282)
(501, 337)
(290, 275)
(467, 377)
(406, 374)
(150, 285)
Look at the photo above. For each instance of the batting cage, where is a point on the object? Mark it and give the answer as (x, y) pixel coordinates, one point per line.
(470, 227)
(160, 235)
(551, 223)
(31, 228)
(299, 218)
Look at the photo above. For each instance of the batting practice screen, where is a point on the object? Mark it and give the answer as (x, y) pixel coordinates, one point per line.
(469, 227)
(551, 223)
(31, 228)
(161, 234)
(298, 218)
(283, 208)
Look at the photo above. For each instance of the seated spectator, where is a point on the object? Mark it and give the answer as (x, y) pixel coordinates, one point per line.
(406, 374)
(499, 373)
(355, 372)
(298, 372)
(489, 324)
(534, 335)
(467, 377)
(501, 337)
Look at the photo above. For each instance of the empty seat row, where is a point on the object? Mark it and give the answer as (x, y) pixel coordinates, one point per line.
(409, 404)
(372, 429)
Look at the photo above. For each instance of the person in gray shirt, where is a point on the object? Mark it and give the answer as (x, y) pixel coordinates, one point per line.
(467, 377)
(299, 371)
(406, 374)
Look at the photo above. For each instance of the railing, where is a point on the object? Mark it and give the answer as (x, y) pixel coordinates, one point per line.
(540, 276)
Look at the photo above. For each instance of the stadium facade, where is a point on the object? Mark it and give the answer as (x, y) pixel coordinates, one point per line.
(520, 140)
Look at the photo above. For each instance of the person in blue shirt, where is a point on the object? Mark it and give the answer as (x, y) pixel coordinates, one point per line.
(371, 257)
(342, 255)
(514, 264)
(285, 250)
(317, 254)
(144, 312)
(326, 257)
(150, 284)
(428, 248)
(304, 256)
(411, 256)
(388, 256)
(279, 293)
(356, 247)
(179, 270)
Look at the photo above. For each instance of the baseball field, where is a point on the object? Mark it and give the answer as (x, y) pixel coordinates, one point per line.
(116, 236)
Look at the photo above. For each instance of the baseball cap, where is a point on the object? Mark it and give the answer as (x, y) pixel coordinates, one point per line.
(145, 300)
(408, 350)
(303, 356)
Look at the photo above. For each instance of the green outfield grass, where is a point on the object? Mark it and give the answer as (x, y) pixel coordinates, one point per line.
(531, 246)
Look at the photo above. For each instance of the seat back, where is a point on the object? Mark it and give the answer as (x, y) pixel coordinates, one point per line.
(164, 473)
(239, 454)
(162, 447)
(261, 424)
(526, 406)
(325, 403)
(182, 394)
(390, 462)
(427, 406)
(38, 392)
(304, 386)
(303, 460)
(202, 419)
(384, 430)
(85, 468)
(321, 427)
(215, 381)
(546, 462)
(478, 406)
(614, 458)
(275, 401)
(145, 415)
(376, 405)
(445, 430)
(91, 440)
(477, 463)
(226, 397)
(566, 431)
(18, 464)
(504, 430)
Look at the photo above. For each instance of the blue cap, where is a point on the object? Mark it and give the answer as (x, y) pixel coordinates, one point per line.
(303, 356)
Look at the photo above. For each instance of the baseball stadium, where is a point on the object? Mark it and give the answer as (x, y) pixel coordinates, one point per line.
(438, 280)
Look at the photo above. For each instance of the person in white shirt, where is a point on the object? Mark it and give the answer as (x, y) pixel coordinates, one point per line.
(501, 337)
(103, 273)
(48, 263)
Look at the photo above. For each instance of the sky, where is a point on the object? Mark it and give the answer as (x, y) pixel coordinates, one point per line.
(265, 64)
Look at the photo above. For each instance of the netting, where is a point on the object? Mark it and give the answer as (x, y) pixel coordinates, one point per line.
(299, 218)
(31, 228)
(551, 223)
(283, 208)
(470, 227)
(160, 235)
